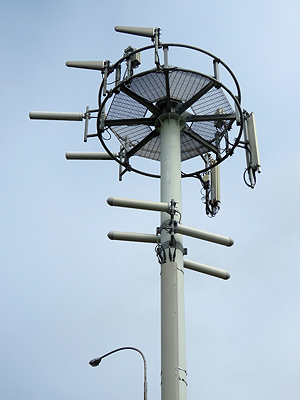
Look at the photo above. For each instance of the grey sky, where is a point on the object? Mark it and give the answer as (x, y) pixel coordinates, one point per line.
(68, 293)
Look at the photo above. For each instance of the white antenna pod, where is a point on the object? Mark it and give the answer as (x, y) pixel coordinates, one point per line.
(96, 65)
(206, 269)
(252, 154)
(58, 116)
(215, 186)
(133, 237)
(139, 204)
(153, 33)
(203, 235)
(237, 113)
(132, 30)
(79, 155)
(252, 137)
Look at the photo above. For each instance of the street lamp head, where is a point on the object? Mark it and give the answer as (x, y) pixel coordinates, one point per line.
(95, 362)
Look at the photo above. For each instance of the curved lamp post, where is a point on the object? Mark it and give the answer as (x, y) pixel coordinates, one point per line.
(96, 361)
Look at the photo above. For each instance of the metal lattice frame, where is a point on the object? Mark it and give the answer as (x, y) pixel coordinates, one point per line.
(137, 102)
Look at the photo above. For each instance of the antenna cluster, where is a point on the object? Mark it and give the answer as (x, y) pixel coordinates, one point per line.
(131, 109)
(251, 148)
(174, 228)
(170, 115)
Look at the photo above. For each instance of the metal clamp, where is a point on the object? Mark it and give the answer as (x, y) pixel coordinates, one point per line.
(182, 379)
(162, 248)
(170, 226)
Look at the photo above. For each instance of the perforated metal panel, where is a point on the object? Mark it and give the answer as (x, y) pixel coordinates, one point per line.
(135, 108)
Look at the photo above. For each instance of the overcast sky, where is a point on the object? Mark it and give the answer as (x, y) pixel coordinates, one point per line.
(68, 294)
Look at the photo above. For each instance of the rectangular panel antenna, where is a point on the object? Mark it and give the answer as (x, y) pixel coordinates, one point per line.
(252, 137)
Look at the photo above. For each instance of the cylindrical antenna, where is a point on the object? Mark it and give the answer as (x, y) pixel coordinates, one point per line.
(166, 56)
(249, 157)
(139, 204)
(78, 155)
(237, 113)
(253, 140)
(216, 71)
(132, 30)
(210, 237)
(59, 116)
(133, 237)
(215, 185)
(118, 76)
(86, 125)
(206, 269)
(96, 65)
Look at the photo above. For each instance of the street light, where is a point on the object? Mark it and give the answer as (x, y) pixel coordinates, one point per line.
(96, 361)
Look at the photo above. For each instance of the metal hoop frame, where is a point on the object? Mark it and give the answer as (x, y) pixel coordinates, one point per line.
(236, 99)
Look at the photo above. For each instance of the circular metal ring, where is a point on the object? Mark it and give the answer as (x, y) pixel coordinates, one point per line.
(128, 82)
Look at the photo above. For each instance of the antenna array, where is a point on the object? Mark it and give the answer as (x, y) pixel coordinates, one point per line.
(170, 115)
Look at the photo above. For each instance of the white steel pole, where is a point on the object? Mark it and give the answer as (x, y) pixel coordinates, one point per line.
(173, 357)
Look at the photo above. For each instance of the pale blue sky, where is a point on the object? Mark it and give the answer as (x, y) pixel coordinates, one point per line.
(68, 293)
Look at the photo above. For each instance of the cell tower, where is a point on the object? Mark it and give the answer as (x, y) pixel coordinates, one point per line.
(169, 114)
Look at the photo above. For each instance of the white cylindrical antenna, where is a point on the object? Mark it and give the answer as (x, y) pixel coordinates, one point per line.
(166, 57)
(249, 157)
(215, 185)
(139, 204)
(79, 155)
(237, 113)
(252, 137)
(58, 116)
(96, 65)
(216, 70)
(86, 124)
(206, 269)
(132, 30)
(209, 237)
(134, 237)
(118, 77)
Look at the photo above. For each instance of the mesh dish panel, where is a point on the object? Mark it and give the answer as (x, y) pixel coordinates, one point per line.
(212, 100)
(152, 87)
(184, 84)
(151, 150)
(123, 107)
(130, 135)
